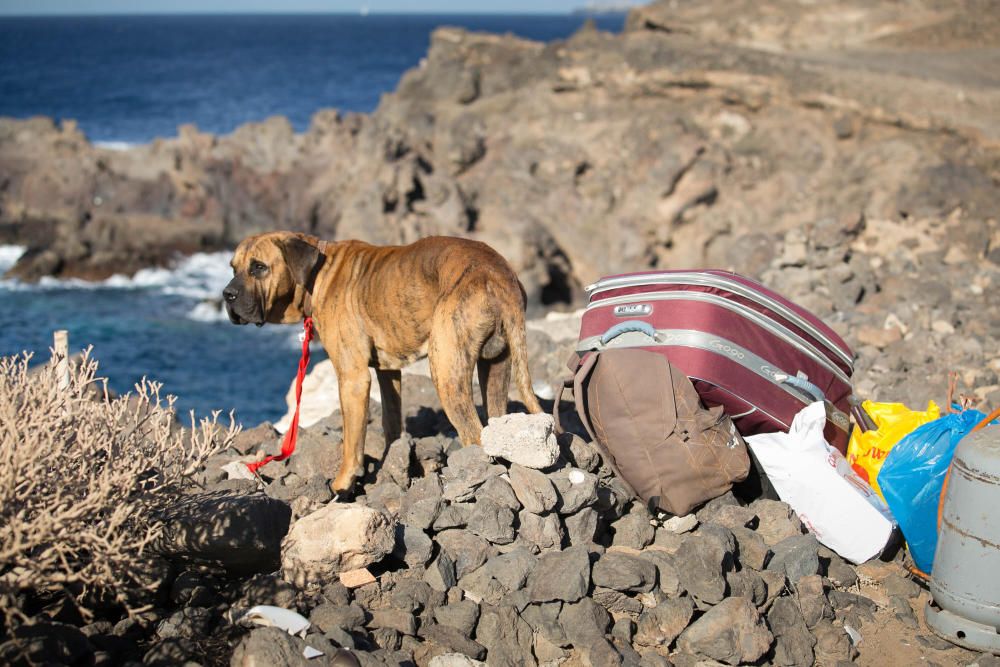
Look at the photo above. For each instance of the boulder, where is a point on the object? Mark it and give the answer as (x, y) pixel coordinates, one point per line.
(635, 529)
(462, 615)
(336, 538)
(500, 491)
(524, 439)
(328, 616)
(239, 531)
(46, 643)
(422, 503)
(467, 550)
(273, 646)
(582, 526)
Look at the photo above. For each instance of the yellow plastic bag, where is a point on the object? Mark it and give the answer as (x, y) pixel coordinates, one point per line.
(867, 451)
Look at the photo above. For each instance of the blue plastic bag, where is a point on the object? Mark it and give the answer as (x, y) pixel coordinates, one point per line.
(913, 475)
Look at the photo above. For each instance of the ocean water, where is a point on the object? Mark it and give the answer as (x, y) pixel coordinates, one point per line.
(130, 79)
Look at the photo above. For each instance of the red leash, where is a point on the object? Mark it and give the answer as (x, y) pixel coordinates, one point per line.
(288, 444)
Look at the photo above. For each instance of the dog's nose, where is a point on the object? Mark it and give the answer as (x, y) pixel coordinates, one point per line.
(230, 293)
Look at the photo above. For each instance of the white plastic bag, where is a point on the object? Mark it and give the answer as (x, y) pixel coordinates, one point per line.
(835, 504)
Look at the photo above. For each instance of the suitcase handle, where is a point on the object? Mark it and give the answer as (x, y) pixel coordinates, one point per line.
(625, 327)
(802, 384)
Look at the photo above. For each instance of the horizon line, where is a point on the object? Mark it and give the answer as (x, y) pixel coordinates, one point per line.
(307, 12)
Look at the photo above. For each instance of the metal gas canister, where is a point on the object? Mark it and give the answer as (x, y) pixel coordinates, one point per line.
(965, 582)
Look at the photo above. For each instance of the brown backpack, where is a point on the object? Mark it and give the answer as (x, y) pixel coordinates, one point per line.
(654, 432)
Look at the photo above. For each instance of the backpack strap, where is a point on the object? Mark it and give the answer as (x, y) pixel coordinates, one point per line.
(583, 368)
(577, 380)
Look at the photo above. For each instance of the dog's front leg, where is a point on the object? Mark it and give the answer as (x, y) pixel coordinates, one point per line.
(355, 385)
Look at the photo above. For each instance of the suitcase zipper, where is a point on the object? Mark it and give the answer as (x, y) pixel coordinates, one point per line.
(768, 325)
(720, 282)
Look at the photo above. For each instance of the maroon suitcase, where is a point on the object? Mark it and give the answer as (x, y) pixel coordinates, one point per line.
(746, 348)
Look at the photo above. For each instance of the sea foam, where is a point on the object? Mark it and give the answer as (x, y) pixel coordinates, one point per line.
(200, 277)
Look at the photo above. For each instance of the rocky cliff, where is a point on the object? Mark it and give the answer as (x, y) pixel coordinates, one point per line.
(699, 136)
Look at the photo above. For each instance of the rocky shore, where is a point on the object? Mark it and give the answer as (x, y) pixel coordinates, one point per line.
(454, 556)
(698, 137)
(534, 553)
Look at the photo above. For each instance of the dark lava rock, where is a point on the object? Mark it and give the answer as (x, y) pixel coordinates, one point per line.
(500, 491)
(544, 532)
(506, 636)
(574, 496)
(561, 575)
(413, 546)
(492, 522)
(702, 562)
(796, 556)
(241, 532)
(421, 503)
(793, 642)
(328, 616)
(623, 572)
(661, 625)
(581, 527)
(731, 632)
(753, 551)
(776, 520)
(462, 615)
(45, 644)
(634, 530)
(533, 489)
(467, 550)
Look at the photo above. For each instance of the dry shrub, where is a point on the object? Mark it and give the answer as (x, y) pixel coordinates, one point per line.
(82, 477)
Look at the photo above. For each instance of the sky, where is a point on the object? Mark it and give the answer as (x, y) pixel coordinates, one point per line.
(48, 7)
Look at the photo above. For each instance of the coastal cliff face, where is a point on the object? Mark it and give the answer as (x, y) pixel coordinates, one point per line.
(699, 137)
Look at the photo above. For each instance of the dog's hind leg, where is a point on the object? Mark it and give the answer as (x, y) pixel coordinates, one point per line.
(390, 385)
(452, 356)
(494, 381)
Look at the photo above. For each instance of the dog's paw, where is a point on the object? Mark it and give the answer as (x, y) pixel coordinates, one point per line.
(343, 491)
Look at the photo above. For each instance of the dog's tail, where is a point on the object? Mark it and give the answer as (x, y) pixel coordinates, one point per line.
(517, 342)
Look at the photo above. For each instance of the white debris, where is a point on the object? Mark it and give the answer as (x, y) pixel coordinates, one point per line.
(291, 622)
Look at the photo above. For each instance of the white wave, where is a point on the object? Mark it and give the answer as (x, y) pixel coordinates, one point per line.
(200, 276)
(115, 145)
(9, 254)
(208, 311)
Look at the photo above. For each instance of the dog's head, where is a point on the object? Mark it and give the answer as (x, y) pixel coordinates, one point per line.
(271, 275)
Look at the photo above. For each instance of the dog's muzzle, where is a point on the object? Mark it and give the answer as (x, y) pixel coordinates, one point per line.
(239, 307)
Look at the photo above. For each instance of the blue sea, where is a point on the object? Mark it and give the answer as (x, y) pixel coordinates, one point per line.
(129, 79)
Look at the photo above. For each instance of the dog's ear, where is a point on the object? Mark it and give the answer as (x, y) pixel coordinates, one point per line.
(302, 259)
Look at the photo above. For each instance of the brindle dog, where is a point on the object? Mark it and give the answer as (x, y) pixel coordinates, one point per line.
(455, 300)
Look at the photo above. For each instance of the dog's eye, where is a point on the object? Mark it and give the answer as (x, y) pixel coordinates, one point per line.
(257, 269)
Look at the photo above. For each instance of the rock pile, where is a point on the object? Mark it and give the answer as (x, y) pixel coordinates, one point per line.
(468, 559)
(449, 556)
